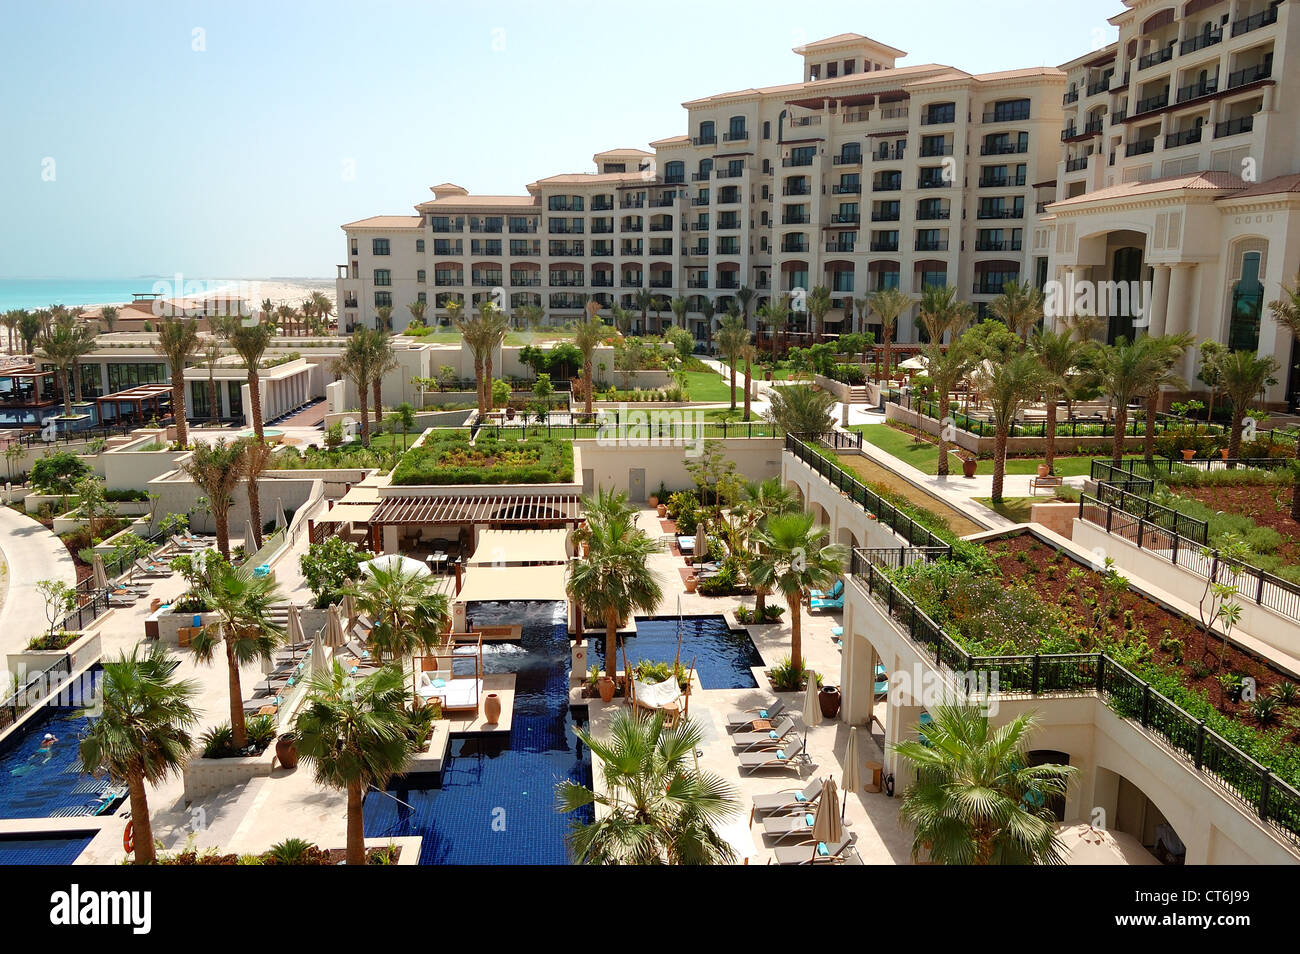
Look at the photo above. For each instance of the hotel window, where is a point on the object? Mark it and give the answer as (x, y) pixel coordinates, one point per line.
(383, 299)
(940, 113)
(708, 132)
(675, 171)
(767, 134)
(90, 386)
(936, 279)
(766, 192)
(124, 376)
(383, 276)
(235, 398)
(198, 406)
(419, 245)
(421, 297)
(379, 246)
(419, 276)
(832, 69)
(1246, 305)
(736, 128)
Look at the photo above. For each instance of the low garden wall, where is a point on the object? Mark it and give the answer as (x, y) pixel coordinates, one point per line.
(87, 649)
(983, 446)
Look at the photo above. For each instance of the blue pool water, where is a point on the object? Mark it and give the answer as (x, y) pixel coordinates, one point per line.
(36, 784)
(496, 801)
(52, 849)
(723, 656)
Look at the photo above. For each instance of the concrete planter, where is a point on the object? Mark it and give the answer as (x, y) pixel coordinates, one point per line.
(206, 777)
(87, 649)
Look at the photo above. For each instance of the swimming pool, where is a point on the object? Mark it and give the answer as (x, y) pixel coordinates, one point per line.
(723, 656)
(55, 848)
(51, 784)
(496, 801)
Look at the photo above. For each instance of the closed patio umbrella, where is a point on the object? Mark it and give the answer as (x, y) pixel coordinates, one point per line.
(319, 665)
(348, 610)
(812, 710)
(334, 636)
(701, 544)
(827, 828)
(250, 539)
(293, 629)
(280, 521)
(851, 780)
(97, 570)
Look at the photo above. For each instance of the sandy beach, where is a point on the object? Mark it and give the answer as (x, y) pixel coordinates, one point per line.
(281, 291)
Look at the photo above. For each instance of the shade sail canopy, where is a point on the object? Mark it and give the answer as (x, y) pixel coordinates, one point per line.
(498, 510)
(513, 583)
(348, 513)
(520, 546)
(1086, 845)
(395, 562)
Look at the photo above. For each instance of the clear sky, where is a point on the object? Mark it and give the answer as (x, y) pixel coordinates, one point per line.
(232, 139)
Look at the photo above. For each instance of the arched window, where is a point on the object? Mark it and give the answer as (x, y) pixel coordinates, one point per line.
(1246, 305)
(706, 168)
(708, 134)
(675, 171)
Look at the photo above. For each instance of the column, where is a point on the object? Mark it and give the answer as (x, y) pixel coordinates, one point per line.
(1179, 302)
(1158, 306)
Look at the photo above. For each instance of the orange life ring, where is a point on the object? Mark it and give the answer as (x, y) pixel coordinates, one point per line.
(128, 837)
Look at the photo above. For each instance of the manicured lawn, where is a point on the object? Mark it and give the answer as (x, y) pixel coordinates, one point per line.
(924, 456)
(709, 386)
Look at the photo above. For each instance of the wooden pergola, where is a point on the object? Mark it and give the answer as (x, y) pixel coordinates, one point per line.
(155, 398)
(495, 511)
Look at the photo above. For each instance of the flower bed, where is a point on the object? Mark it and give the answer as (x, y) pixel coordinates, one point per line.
(450, 458)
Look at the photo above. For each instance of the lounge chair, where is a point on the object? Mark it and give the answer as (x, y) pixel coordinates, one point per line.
(812, 853)
(796, 824)
(834, 593)
(773, 738)
(740, 719)
(827, 603)
(655, 697)
(152, 569)
(782, 758)
(788, 799)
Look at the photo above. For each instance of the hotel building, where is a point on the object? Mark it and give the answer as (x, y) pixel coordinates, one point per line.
(1167, 158)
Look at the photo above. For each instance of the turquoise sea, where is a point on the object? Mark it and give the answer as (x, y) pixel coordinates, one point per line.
(42, 292)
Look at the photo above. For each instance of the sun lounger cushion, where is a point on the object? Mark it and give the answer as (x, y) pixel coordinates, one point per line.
(658, 695)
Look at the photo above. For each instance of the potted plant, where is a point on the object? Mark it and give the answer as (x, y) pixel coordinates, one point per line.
(286, 750)
(968, 465)
(1189, 453)
(1044, 470)
(662, 510)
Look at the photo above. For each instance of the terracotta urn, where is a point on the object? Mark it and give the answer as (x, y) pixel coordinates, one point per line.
(605, 686)
(654, 502)
(828, 699)
(662, 509)
(692, 582)
(492, 708)
(1044, 470)
(968, 466)
(1188, 453)
(286, 750)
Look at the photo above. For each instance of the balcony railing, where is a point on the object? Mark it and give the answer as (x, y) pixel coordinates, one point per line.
(1152, 103)
(1262, 19)
(1007, 115)
(1076, 164)
(930, 245)
(1197, 90)
(884, 245)
(1003, 148)
(526, 228)
(1101, 86)
(847, 247)
(1159, 56)
(851, 189)
(1184, 137)
(797, 190)
(893, 215)
(997, 245)
(1001, 182)
(794, 246)
(932, 215)
(700, 176)
(1251, 74)
(932, 182)
(933, 151)
(1071, 96)
(790, 162)
(887, 185)
(1233, 127)
(938, 118)
(846, 218)
(1140, 148)
(988, 288)
(797, 218)
(1200, 42)
(889, 154)
(894, 112)
(730, 173)
(1000, 212)
(847, 159)
(704, 140)
(741, 135)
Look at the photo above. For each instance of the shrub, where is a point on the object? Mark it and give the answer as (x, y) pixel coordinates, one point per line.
(327, 567)
(449, 458)
(293, 851)
(786, 678)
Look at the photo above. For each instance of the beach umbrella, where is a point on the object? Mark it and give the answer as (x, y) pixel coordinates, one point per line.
(701, 544)
(319, 664)
(812, 710)
(280, 521)
(348, 610)
(851, 780)
(101, 578)
(268, 667)
(827, 828)
(293, 628)
(250, 539)
(395, 561)
(918, 363)
(334, 636)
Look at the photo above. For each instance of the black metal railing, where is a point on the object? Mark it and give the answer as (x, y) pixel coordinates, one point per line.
(1147, 510)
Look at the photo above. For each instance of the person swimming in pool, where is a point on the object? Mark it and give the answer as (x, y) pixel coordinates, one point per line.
(45, 749)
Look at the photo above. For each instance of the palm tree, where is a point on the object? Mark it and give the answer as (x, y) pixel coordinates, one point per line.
(257, 458)
(1058, 353)
(888, 304)
(643, 300)
(409, 612)
(250, 342)
(659, 808)
(356, 735)
(748, 353)
(30, 325)
(731, 338)
(774, 313)
(417, 309)
(384, 361)
(761, 502)
(1008, 385)
(586, 336)
(745, 295)
(1123, 370)
(242, 604)
(108, 314)
(142, 733)
(799, 409)
(217, 468)
(474, 334)
(795, 559)
(357, 363)
(403, 416)
(178, 340)
(707, 310)
(1168, 351)
(613, 580)
(384, 318)
(678, 306)
(942, 314)
(1286, 312)
(286, 316)
(62, 345)
(10, 321)
(323, 308)
(976, 799)
(212, 353)
(1242, 377)
(819, 304)
(1019, 307)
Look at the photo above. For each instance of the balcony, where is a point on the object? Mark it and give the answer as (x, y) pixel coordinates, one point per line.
(1000, 212)
(892, 215)
(525, 228)
(456, 249)
(633, 281)
(602, 228)
(854, 188)
(1101, 86)
(563, 207)
(728, 248)
(564, 228)
(895, 112)
(602, 281)
(797, 190)
(932, 182)
(704, 140)
(797, 218)
(349, 303)
(932, 151)
(939, 118)
(933, 215)
(700, 176)
(1234, 127)
(698, 283)
(1152, 103)
(1251, 74)
(1077, 164)
(1183, 138)
(931, 245)
(485, 228)
(889, 154)
(665, 202)
(988, 287)
(699, 201)
(699, 249)
(1002, 148)
(527, 281)
(1255, 22)
(1069, 132)
(997, 245)
(847, 159)
(884, 245)
(632, 227)
(1140, 148)
(788, 246)
(565, 281)
(844, 246)
(887, 185)
(736, 135)
(1001, 182)
(790, 162)
(726, 283)
(1156, 58)
(1011, 114)
(727, 223)
(1197, 90)
(661, 283)
(846, 218)
(1200, 42)
(661, 226)
(487, 281)
(632, 204)
(1071, 96)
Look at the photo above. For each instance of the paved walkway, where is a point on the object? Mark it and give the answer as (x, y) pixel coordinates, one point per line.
(31, 553)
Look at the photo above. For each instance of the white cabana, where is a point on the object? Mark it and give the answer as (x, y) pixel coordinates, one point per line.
(915, 363)
(390, 562)
(520, 547)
